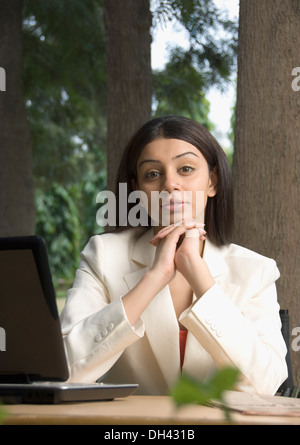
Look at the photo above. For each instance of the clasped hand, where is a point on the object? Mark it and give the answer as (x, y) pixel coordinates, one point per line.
(178, 248)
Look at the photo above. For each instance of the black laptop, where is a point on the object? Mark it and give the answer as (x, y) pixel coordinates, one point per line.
(33, 365)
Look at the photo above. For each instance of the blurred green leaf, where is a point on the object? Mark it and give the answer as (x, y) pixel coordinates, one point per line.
(224, 380)
(2, 414)
(189, 390)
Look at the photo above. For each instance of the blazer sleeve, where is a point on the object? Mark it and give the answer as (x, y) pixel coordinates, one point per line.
(95, 329)
(247, 337)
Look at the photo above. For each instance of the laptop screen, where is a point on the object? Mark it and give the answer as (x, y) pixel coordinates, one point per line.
(31, 347)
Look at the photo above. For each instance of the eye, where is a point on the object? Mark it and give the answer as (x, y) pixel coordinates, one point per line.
(186, 169)
(153, 174)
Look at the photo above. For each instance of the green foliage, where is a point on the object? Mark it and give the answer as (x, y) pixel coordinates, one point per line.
(209, 60)
(188, 390)
(58, 223)
(64, 47)
(3, 414)
(64, 78)
(66, 218)
(179, 90)
(212, 37)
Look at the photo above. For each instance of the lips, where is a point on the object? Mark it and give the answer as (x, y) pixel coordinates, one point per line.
(173, 204)
(173, 199)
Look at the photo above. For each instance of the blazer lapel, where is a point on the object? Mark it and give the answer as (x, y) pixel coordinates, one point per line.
(161, 326)
(214, 259)
(197, 360)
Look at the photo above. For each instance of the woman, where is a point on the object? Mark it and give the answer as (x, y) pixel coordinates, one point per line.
(150, 302)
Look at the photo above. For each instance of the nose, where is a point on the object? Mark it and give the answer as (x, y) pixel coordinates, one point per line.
(170, 182)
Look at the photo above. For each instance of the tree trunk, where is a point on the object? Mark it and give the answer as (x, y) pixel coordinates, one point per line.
(129, 90)
(17, 209)
(266, 166)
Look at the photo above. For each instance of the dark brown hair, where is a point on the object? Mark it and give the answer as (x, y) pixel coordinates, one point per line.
(219, 208)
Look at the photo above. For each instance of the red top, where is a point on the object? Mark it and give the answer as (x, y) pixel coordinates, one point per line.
(182, 341)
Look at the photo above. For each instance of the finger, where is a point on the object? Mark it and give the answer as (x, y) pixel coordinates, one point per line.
(198, 232)
(190, 224)
(187, 224)
(166, 230)
(192, 233)
(161, 234)
(178, 231)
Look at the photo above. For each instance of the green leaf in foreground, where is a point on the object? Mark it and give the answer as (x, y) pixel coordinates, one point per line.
(189, 390)
(2, 414)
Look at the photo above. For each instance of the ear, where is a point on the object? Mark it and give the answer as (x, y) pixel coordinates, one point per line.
(213, 183)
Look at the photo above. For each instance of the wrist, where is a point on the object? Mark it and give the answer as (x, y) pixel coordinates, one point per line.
(199, 277)
(156, 278)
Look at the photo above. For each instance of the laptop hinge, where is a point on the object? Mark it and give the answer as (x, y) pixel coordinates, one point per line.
(14, 378)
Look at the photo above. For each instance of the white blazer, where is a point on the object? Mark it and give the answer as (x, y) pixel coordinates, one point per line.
(235, 323)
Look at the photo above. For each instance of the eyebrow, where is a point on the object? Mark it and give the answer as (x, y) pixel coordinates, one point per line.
(173, 159)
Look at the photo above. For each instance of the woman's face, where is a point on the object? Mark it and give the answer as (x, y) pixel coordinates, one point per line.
(175, 178)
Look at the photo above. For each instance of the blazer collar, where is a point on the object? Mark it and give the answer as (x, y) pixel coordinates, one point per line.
(143, 253)
(215, 259)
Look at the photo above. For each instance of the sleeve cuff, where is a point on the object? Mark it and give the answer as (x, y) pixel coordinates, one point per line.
(97, 342)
